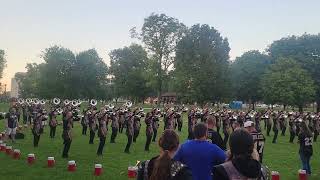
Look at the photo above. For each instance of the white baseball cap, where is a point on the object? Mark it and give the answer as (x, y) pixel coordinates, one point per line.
(248, 124)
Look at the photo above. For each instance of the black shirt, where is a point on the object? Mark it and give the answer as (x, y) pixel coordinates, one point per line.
(305, 144)
(215, 138)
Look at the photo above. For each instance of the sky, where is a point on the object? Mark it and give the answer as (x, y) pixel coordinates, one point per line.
(27, 27)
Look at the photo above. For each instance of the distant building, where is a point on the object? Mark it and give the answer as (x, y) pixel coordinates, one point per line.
(15, 86)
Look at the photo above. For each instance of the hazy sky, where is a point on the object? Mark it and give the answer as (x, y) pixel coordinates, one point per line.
(27, 27)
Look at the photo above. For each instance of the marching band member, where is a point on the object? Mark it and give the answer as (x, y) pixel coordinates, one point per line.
(85, 121)
(92, 124)
(121, 116)
(114, 126)
(276, 126)
(191, 122)
(136, 124)
(37, 128)
(155, 113)
(66, 133)
(179, 120)
(149, 130)
(292, 127)
(12, 121)
(129, 132)
(102, 130)
(53, 122)
(283, 123)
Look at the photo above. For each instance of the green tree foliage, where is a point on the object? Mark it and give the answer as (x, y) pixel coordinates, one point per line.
(129, 70)
(29, 81)
(286, 82)
(201, 65)
(303, 49)
(247, 71)
(66, 75)
(160, 34)
(2, 62)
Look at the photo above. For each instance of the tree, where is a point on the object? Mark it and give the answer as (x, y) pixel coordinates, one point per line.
(201, 65)
(29, 82)
(160, 34)
(303, 49)
(66, 75)
(247, 71)
(2, 62)
(286, 82)
(128, 67)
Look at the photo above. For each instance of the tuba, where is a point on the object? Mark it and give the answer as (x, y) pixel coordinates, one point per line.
(93, 102)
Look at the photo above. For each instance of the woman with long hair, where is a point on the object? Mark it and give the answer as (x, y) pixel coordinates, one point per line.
(305, 150)
(163, 167)
(241, 163)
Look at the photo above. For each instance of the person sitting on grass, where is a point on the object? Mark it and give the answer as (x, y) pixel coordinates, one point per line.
(163, 167)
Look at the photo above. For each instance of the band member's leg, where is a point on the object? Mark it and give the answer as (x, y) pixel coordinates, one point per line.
(180, 126)
(226, 138)
(92, 134)
(101, 145)
(268, 129)
(136, 134)
(275, 136)
(113, 135)
(292, 135)
(127, 150)
(149, 137)
(67, 144)
(155, 132)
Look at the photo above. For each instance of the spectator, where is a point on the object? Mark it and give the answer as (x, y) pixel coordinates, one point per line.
(163, 167)
(199, 154)
(305, 150)
(240, 164)
(213, 135)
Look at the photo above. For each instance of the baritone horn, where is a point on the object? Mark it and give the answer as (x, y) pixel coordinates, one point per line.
(42, 102)
(93, 102)
(66, 102)
(128, 104)
(56, 101)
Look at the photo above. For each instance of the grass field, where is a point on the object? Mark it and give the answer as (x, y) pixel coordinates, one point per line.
(282, 156)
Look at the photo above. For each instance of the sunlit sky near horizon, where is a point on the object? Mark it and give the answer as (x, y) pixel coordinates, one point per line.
(29, 26)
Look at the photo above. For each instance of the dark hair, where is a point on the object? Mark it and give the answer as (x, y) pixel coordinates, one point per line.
(305, 129)
(169, 141)
(241, 144)
(200, 130)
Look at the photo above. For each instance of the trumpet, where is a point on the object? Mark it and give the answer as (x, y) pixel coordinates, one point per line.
(56, 101)
(93, 102)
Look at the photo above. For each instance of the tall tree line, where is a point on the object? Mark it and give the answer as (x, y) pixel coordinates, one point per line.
(191, 61)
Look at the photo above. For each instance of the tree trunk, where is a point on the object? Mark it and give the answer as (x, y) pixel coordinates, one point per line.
(284, 107)
(253, 105)
(318, 105)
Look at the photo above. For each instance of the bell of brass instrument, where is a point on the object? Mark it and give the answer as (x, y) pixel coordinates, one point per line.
(93, 102)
